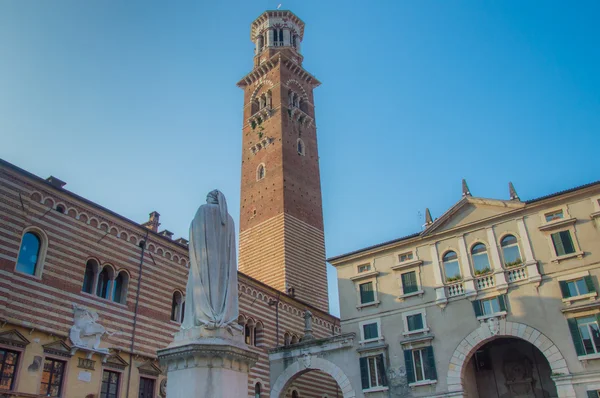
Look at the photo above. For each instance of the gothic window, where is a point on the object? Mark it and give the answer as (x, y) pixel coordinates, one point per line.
(258, 334)
(104, 282)
(510, 251)
(119, 294)
(28, 261)
(260, 172)
(286, 339)
(89, 278)
(481, 261)
(300, 147)
(257, 390)
(295, 394)
(294, 340)
(281, 37)
(451, 266)
(177, 307)
(294, 40)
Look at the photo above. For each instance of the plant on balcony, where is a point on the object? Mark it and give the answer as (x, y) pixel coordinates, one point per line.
(253, 124)
(513, 263)
(261, 132)
(484, 271)
(453, 278)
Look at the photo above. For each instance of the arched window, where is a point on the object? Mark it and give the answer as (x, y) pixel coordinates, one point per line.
(257, 390)
(481, 261)
(286, 339)
(451, 266)
(300, 147)
(119, 294)
(280, 37)
(29, 254)
(294, 40)
(89, 278)
(177, 307)
(260, 172)
(249, 332)
(510, 251)
(103, 288)
(295, 394)
(294, 340)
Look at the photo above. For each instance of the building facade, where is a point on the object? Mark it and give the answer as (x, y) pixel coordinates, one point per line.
(72, 270)
(495, 298)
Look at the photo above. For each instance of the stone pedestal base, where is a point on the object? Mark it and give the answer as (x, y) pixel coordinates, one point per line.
(208, 364)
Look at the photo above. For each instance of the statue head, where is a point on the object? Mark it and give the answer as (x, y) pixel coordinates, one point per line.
(216, 197)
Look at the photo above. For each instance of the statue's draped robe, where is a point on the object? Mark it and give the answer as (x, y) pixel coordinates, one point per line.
(212, 292)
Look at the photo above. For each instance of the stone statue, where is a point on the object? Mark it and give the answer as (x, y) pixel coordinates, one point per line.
(212, 289)
(307, 326)
(85, 332)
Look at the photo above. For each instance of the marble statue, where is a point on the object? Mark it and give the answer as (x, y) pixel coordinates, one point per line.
(85, 332)
(212, 290)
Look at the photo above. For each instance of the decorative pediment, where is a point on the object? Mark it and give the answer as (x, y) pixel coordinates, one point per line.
(13, 338)
(149, 368)
(116, 362)
(469, 210)
(57, 347)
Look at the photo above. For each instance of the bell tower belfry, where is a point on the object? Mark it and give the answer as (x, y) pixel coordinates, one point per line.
(282, 242)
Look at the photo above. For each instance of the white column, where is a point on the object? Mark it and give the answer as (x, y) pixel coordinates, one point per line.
(465, 269)
(440, 290)
(532, 267)
(495, 259)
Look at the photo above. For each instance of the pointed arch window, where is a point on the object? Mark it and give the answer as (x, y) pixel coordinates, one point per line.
(104, 282)
(177, 307)
(451, 266)
(119, 293)
(89, 277)
(481, 261)
(295, 394)
(28, 260)
(510, 251)
(260, 172)
(300, 147)
(257, 390)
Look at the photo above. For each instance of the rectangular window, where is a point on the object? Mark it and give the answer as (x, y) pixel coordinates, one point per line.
(372, 372)
(414, 322)
(555, 215)
(420, 365)
(8, 365)
(593, 394)
(589, 333)
(490, 306)
(146, 388)
(370, 331)
(577, 287)
(364, 268)
(409, 282)
(405, 257)
(110, 384)
(52, 377)
(563, 243)
(367, 294)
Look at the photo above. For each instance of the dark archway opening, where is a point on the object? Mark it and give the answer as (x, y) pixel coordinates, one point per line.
(508, 368)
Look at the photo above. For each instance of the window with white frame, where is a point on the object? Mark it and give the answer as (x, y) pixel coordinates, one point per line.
(364, 268)
(367, 292)
(586, 334)
(403, 257)
(554, 215)
(32, 252)
(510, 251)
(372, 372)
(420, 365)
(410, 283)
(563, 243)
(579, 286)
(260, 172)
(490, 306)
(593, 394)
(370, 330)
(451, 266)
(481, 261)
(414, 322)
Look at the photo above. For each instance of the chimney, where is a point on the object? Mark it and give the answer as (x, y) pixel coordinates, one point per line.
(55, 182)
(152, 224)
(166, 233)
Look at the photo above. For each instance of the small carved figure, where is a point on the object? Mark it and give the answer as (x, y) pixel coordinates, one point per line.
(85, 332)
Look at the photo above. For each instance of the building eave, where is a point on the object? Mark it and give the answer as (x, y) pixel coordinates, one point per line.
(268, 65)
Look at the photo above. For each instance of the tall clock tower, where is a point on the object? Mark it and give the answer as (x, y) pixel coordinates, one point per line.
(281, 217)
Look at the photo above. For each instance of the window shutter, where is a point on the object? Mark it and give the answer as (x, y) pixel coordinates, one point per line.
(577, 342)
(502, 302)
(381, 369)
(410, 369)
(564, 289)
(431, 361)
(589, 283)
(477, 308)
(558, 245)
(567, 242)
(364, 373)
(592, 394)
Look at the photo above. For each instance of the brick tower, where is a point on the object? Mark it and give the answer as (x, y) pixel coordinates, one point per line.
(281, 218)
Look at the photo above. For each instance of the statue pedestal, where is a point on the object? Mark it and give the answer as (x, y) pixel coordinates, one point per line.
(208, 364)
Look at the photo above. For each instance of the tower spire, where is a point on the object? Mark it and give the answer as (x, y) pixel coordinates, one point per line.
(465, 188)
(428, 218)
(512, 191)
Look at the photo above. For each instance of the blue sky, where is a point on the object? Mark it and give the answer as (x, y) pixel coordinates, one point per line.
(134, 103)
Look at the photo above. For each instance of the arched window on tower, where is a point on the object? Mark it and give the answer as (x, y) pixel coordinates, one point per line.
(249, 332)
(300, 147)
(260, 172)
(257, 391)
(104, 281)
(286, 339)
(281, 37)
(119, 294)
(177, 307)
(89, 277)
(294, 40)
(295, 394)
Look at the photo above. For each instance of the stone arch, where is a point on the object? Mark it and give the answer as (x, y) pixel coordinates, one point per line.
(258, 87)
(302, 366)
(483, 334)
(296, 83)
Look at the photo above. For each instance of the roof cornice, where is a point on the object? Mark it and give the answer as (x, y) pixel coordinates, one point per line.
(264, 68)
